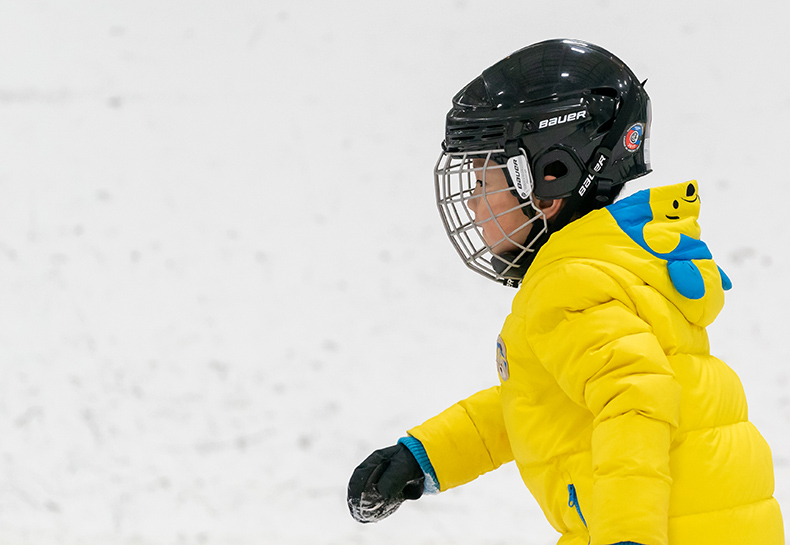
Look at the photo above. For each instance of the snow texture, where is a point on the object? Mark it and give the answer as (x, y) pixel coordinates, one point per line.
(223, 278)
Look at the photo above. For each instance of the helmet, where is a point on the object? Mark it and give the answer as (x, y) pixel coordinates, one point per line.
(560, 119)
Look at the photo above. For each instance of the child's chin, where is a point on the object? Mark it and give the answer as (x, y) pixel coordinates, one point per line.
(502, 250)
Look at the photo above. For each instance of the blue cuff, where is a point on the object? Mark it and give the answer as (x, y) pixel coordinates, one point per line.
(626, 543)
(418, 451)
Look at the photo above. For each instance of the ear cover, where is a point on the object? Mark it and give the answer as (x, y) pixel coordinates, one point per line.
(563, 185)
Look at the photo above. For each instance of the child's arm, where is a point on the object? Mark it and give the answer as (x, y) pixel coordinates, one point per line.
(587, 333)
(466, 440)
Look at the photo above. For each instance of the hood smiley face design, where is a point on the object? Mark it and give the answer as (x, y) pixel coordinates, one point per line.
(663, 221)
(674, 213)
(691, 198)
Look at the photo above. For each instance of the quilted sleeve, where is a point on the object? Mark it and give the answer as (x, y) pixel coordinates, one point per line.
(466, 440)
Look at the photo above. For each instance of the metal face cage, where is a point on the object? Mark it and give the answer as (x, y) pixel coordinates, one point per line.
(484, 244)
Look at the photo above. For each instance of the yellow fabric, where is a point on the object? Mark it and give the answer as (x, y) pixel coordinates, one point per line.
(611, 387)
(472, 428)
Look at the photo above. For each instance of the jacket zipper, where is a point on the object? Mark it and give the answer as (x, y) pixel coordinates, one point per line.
(573, 501)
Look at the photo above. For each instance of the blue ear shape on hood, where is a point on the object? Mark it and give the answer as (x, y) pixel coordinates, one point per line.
(726, 283)
(687, 278)
(633, 213)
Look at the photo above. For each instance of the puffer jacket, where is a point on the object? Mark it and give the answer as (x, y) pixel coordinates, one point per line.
(623, 425)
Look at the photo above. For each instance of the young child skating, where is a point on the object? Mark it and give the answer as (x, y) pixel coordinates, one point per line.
(622, 424)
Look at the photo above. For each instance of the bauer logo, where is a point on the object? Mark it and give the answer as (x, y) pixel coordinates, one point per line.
(520, 175)
(501, 359)
(560, 119)
(633, 137)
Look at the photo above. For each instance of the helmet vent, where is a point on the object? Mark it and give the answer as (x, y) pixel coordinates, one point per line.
(605, 91)
(475, 135)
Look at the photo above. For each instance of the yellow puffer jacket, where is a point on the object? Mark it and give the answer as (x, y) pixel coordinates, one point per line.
(623, 426)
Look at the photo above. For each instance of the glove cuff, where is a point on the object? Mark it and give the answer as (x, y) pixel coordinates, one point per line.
(418, 451)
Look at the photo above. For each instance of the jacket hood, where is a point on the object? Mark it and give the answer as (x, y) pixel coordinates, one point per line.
(654, 234)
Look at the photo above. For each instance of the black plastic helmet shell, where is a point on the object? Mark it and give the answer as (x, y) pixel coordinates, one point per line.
(557, 100)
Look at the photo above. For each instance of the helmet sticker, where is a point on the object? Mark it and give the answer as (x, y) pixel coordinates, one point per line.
(501, 359)
(633, 137)
(521, 175)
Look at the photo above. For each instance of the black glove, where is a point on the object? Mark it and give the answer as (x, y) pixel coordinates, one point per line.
(382, 482)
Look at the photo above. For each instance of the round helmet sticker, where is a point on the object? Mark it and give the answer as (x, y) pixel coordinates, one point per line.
(633, 137)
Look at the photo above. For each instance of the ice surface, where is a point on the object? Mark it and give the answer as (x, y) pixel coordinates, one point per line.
(223, 279)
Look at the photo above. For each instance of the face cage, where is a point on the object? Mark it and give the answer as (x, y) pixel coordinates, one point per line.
(455, 179)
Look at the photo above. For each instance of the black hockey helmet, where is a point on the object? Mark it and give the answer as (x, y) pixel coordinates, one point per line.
(563, 109)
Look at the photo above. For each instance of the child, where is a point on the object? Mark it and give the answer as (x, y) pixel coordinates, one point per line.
(623, 425)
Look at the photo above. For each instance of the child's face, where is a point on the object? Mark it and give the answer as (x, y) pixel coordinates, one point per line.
(497, 210)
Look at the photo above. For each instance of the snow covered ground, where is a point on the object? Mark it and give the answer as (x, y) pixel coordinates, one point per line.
(223, 280)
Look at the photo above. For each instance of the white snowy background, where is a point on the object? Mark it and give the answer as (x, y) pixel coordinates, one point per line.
(223, 279)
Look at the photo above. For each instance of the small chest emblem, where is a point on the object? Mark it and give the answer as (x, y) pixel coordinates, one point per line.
(501, 359)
